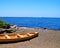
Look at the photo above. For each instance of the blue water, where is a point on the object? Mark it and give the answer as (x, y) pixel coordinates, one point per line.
(31, 22)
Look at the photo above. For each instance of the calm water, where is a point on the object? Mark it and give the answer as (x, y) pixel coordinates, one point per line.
(51, 23)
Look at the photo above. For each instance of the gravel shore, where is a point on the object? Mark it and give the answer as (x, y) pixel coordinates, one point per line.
(46, 39)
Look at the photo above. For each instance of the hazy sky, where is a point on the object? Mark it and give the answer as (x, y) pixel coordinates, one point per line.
(30, 8)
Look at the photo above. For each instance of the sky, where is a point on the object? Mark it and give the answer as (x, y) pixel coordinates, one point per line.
(29, 8)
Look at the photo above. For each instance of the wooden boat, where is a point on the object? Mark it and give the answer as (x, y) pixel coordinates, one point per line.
(17, 37)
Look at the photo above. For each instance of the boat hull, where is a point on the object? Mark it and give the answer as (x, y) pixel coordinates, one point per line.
(19, 39)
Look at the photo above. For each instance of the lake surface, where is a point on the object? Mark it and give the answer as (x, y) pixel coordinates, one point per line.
(34, 22)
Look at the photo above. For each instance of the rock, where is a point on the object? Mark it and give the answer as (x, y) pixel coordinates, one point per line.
(8, 30)
(14, 26)
(2, 30)
(12, 29)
